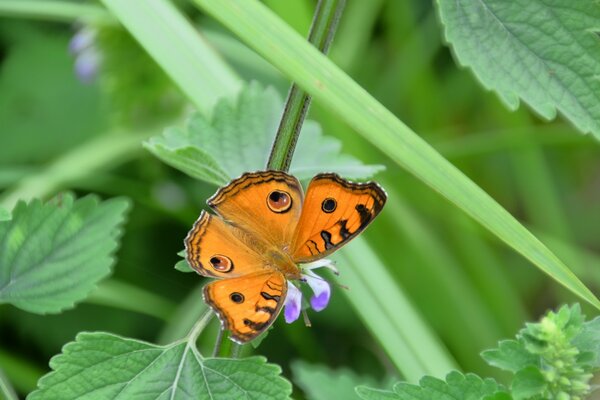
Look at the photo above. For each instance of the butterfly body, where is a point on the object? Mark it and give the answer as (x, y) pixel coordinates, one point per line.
(263, 230)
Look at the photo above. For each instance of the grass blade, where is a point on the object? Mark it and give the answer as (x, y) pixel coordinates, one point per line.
(388, 314)
(178, 48)
(289, 52)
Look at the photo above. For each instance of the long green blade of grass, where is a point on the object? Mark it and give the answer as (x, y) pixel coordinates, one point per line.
(63, 11)
(388, 325)
(388, 314)
(178, 48)
(316, 74)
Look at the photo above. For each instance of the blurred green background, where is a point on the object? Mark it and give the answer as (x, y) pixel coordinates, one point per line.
(470, 288)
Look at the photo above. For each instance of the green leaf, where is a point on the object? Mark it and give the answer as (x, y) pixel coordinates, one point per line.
(588, 341)
(510, 355)
(456, 386)
(544, 52)
(330, 86)
(182, 265)
(101, 365)
(4, 214)
(238, 139)
(53, 254)
(528, 383)
(321, 383)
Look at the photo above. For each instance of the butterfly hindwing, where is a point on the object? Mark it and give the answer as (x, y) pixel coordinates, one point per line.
(266, 203)
(334, 212)
(247, 305)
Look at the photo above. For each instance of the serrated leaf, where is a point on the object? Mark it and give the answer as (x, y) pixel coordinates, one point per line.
(510, 355)
(4, 214)
(183, 265)
(527, 383)
(53, 254)
(105, 366)
(177, 148)
(456, 386)
(239, 136)
(544, 52)
(321, 383)
(588, 341)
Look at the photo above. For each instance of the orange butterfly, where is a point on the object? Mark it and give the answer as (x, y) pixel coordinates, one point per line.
(263, 230)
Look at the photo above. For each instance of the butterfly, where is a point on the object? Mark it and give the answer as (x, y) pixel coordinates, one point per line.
(263, 228)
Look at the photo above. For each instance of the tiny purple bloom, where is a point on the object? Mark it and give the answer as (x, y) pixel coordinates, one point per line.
(321, 289)
(293, 303)
(87, 64)
(81, 40)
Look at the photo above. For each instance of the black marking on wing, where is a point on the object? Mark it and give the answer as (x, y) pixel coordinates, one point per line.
(270, 285)
(257, 326)
(344, 232)
(326, 236)
(364, 213)
(267, 296)
(312, 252)
(269, 310)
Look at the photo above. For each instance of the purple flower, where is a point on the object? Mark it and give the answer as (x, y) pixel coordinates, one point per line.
(87, 56)
(319, 286)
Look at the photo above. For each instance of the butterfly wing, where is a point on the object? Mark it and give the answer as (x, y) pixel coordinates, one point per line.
(266, 203)
(334, 212)
(217, 249)
(247, 305)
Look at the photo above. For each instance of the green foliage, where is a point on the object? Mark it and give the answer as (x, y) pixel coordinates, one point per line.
(238, 138)
(321, 383)
(138, 90)
(101, 365)
(456, 386)
(53, 254)
(544, 52)
(329, 85)
(4, 214)
(552, 359)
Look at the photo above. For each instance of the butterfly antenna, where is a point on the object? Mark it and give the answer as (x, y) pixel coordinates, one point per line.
(306, 320)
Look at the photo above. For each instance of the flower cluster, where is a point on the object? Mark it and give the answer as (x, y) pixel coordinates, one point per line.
(319, 286)
(87, 56)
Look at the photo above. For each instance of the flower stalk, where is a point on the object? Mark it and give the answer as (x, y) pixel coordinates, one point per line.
(322, 31)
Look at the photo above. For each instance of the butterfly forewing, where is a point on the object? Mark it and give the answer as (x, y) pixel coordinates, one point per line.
(217, 249)
(266, 203)
(334, 212)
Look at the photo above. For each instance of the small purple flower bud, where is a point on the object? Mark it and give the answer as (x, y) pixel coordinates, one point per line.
(293, 303)
(321, 289)
(87, 64)
(81, 40)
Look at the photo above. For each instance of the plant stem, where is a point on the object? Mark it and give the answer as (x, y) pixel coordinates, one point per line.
(192, 337)
(322, 30)
(6, 390)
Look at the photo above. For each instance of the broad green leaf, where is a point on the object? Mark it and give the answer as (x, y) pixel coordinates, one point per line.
(53, 254)
(4, 214)
(456, 386)
(182, 265)
(176, 46)
(305, 65)
(527, 383)
(510, 356)
(544, 52)
(238, 139)
(105, 366)
(321, 383)
(588, 340)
